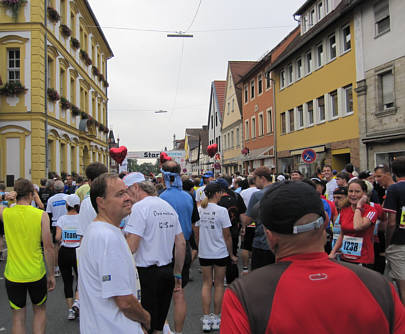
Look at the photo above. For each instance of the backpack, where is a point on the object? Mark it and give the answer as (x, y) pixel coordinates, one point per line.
(229, 201)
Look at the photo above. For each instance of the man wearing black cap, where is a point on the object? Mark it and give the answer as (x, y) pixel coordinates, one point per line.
(305, 292)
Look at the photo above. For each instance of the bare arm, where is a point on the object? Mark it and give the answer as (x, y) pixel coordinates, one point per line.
(48, 251)
(360, 223)
(338, 244)
(58, 235)
(38, 201)
(133, 310)
(228, 241)
(391, 225)
(179, 253)
(133, 241)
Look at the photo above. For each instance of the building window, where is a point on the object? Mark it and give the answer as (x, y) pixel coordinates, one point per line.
(282, 79)
(62, 83)
(14, 65)
(283, 123)
(332, 46)
(229, 108)
(310, 106)
(290, 73)
(311, 18)
(247, 130)
(319, 54)
(232, 139)
(321, 108)
(260, 84)
(348, 96)
(212, 121)
(252, 89)
(216, 118)
(291, 119)
(333, 98)
(299, 68)
(233, 105)
(246, 94)
(268, 79)
(304, 23)
(73, 24)
(72, 91)
(229, 140)
(382, 17)
(308, 58)
(300, 112)
(269, 121)
(320, 10)
(347, 43)
(386, 84)
(253, 127)
(327, 6)
(237, 137)
(62, 11)
(261, 125)
(50, 72)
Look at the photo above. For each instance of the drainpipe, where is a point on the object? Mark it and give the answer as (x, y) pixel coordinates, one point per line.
(45, 93)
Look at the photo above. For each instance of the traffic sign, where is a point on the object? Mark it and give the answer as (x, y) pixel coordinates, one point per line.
(308, 156)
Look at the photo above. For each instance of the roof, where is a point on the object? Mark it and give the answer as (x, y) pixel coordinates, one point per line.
(220, 87)
(204, 139)
(238, 70)
(98, 27)
(270, 56)
(301, 40)
(304, 7)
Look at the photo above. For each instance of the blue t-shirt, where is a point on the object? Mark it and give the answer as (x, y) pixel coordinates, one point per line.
(328, 210)
(182, 203)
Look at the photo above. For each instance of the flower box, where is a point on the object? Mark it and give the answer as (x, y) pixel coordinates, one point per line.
(53, 14)
(14, 5)
(84, 115)
(74, 43)
(106, 84)
(75, 110)
(12, 89)
(84, 55)
(106, 130)
(95, 71)
(53, 95)
(64, 103)
(65, 31)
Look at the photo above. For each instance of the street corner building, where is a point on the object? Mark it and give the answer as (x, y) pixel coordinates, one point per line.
(53, 88)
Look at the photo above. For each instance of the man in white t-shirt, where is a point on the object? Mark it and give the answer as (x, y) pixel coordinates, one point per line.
(331, 184)
(199, 194)
(153, 229)
(110, 291)
(87, 213)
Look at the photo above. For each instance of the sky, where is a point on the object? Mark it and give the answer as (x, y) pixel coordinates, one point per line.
(151, 72)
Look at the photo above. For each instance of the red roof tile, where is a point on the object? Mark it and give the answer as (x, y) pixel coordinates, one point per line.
(220, 93)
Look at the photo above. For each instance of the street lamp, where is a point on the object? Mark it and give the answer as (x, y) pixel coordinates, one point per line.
(180, 34)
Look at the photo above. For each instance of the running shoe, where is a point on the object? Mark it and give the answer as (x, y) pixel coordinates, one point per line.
(215, 321)
(71, 315)
(206, 323)
(76, 307)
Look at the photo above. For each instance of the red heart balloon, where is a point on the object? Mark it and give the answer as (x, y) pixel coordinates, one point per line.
(118, 153)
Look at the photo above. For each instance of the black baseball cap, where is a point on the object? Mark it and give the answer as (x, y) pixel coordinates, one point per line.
(212, 188)
(340, 191)
(286, 202)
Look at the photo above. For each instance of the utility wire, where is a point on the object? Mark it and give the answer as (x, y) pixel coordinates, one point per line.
(195, 15)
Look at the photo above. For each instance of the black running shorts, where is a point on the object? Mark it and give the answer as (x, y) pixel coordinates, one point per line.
(17, 293)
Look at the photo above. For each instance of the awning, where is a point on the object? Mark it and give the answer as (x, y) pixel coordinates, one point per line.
(258, 154)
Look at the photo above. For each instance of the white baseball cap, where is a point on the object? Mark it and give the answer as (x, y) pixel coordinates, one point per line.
(72, 200)
(281, 178)
(134, 177)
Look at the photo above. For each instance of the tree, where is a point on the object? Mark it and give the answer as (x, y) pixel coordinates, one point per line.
(132, 165)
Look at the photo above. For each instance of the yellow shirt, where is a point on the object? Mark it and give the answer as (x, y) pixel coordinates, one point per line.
(22, 228)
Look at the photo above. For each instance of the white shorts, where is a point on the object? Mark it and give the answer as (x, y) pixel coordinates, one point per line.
(395, 256)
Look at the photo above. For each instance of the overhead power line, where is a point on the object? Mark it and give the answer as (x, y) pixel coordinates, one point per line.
(195, 15)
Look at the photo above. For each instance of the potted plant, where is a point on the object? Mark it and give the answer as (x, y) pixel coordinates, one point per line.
(12, 89)
(84, 115)
(53, 95)
(245, 151)
(65, 31)
(53, 14)
(14, 5)
(101, 127)
(85, 57)
(74, 43)
(106, 130)
(106, 84)
(65, 104)
(75, 110)
(91, 121)
(95, 71)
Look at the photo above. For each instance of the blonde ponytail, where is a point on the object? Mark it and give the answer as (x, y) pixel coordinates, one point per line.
(204, 203)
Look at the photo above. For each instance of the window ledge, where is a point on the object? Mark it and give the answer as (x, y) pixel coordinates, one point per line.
(345, 51)
(321, 122)
(386, 112)
(348, 114)
(382, 33)
(333, 118)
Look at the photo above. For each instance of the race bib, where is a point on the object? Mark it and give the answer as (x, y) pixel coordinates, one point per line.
(352, 246)
(402, 221)
(336, 233)
(70, 236)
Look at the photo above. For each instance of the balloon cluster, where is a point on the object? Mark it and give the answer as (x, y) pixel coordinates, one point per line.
(212, 149)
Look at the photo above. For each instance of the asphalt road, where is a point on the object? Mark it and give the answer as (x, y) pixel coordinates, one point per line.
(57, 310)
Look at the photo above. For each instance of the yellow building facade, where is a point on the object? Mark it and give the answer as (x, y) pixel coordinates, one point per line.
(316, 102)
(56, 121)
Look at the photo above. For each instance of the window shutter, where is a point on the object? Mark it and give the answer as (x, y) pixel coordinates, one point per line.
(381, 11)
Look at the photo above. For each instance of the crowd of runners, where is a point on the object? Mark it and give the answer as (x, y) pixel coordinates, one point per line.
(323, 254)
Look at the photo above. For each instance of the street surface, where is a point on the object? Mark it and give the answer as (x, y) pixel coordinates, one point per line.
(57, 311)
